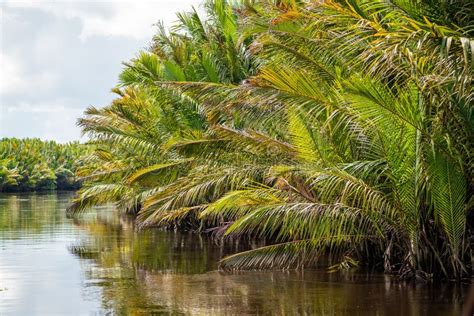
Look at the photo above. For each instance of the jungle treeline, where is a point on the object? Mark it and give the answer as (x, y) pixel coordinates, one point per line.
(335, 128)
(36, 165)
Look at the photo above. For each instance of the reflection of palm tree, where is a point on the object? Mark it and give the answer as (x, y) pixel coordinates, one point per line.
(116, 241)
(468, 309)
(83, 252)
(164, 271)
(22, 213)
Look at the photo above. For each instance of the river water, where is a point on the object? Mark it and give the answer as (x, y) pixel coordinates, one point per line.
(98, 264)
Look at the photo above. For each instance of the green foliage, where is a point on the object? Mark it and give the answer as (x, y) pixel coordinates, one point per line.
(35, 165)
(341, 128)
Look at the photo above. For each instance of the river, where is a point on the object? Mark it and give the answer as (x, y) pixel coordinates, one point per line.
(98, 264)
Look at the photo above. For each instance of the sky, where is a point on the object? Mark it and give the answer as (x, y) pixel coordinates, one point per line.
(59, 57)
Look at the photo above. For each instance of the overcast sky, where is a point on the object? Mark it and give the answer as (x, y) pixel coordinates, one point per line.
(58, 57)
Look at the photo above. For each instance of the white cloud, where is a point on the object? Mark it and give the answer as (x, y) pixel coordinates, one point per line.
(112, 18)
(51, 121)
(59, 56)
(16, 79)
(39, 107)
(12, 70)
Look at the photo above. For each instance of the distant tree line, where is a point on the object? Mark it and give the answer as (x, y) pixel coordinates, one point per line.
(36, 165)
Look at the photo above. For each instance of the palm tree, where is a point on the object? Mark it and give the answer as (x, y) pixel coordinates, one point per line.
(32, 164)
(133, 132)
(349, 137)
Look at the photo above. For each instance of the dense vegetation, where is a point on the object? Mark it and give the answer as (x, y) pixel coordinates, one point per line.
(36, 165)
(334, 127)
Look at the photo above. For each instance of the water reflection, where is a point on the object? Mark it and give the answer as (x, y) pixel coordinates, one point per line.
(103, 265)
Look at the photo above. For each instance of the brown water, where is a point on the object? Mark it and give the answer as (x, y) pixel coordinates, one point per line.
(99, 265)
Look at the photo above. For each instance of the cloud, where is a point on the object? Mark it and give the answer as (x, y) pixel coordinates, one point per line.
(58, 57)
(15, 79)
(41, 120)
(11, 70)
(112, 18)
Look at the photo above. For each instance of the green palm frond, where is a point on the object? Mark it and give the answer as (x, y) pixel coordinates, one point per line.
(328, 127)
(448, 189)
(158, 170)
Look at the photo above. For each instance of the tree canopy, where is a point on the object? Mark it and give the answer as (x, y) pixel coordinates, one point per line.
(36, 165)
(341, 128)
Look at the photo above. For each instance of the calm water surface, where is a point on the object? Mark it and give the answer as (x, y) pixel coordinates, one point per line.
(99, 265)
